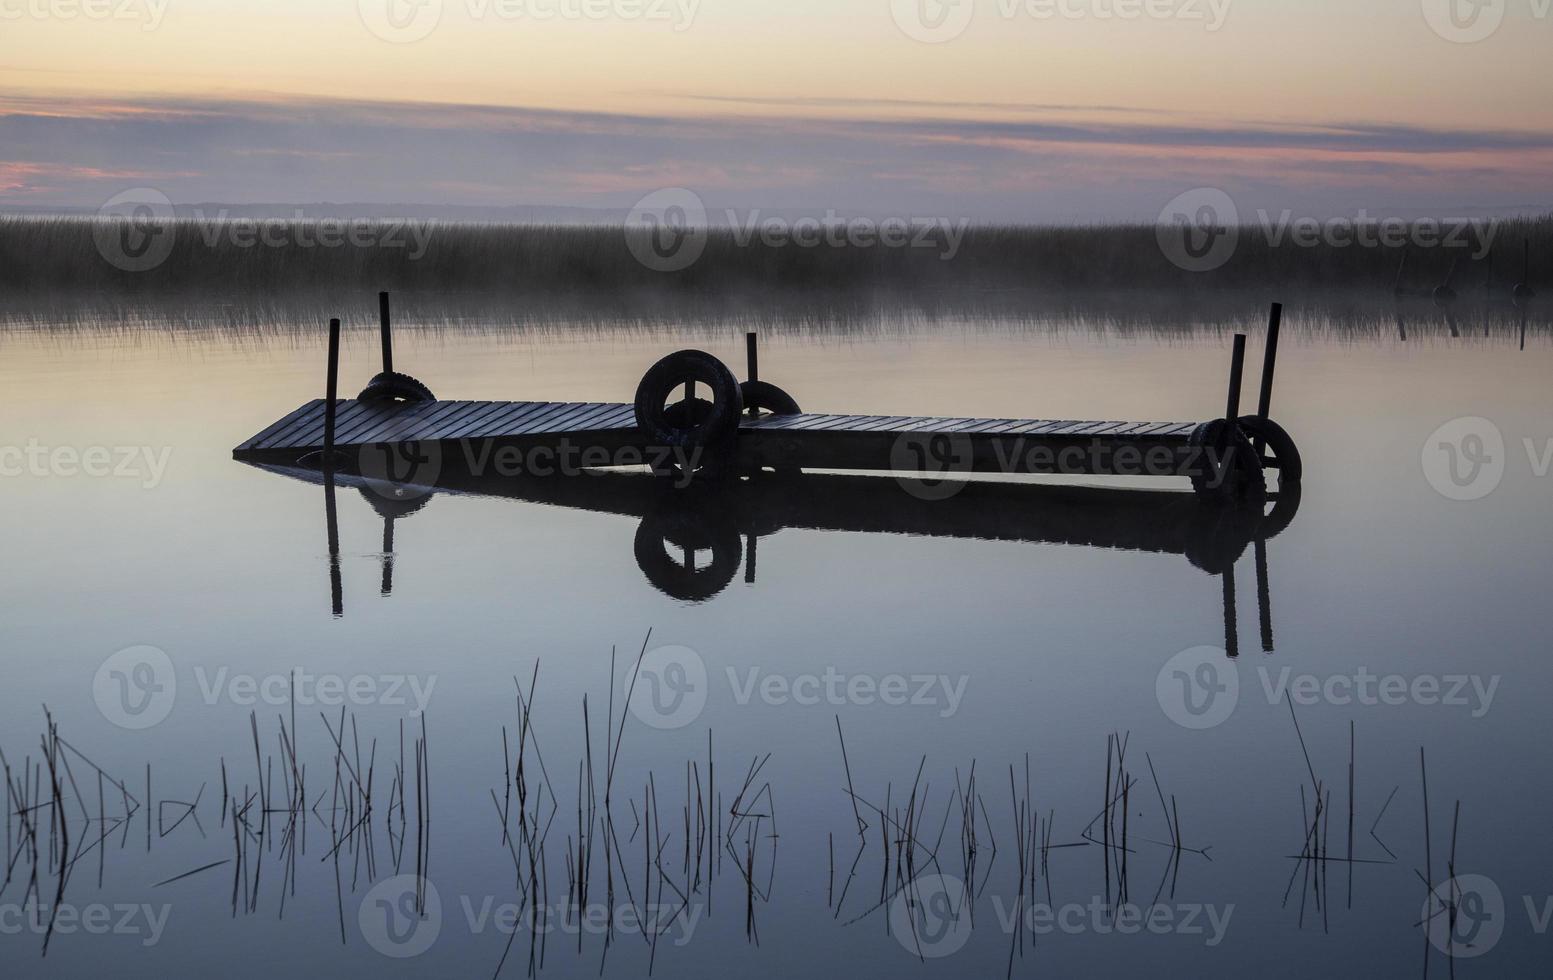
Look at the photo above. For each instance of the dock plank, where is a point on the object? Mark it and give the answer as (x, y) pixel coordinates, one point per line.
(360, 423)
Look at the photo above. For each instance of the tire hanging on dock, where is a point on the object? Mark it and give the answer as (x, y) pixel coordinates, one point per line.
(767, 399)
(391, 386)
(703, 432)
(1228, 467)
(1285, 454)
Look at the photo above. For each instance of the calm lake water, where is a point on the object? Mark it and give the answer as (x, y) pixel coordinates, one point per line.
(1401, 620)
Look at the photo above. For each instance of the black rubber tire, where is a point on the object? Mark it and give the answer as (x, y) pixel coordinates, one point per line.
(1235, 476)
(710, 426)
(391, 386)
(767, 398)
(694, 528)
(1291, 469)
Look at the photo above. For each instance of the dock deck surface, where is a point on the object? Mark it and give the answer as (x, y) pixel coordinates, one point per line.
(364, 424)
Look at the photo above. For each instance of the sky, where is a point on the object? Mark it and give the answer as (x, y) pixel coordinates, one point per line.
(1028, 110)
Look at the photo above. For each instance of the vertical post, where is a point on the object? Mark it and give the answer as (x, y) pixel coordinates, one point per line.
(749, 554)
(1264, 402)
(1237, 366)
(331, 520)
(331, 393)
(385, 328)
(752, 356)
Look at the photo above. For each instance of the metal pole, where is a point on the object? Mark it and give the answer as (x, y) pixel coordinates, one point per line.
(385, 327)
(1237, 364)
(1264, 403)
(752, 355)
(331, 392)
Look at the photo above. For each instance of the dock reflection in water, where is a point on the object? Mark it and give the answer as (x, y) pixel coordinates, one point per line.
(692, 541)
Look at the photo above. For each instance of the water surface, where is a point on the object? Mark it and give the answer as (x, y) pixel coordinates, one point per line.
(1022, 644)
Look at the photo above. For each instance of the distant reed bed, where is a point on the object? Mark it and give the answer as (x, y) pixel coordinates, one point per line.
(77, 257)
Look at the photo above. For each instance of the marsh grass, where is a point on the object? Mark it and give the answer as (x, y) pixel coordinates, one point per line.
(593, 265)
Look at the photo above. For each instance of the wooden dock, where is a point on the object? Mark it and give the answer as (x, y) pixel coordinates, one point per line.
(751, 426)
(814, 441)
